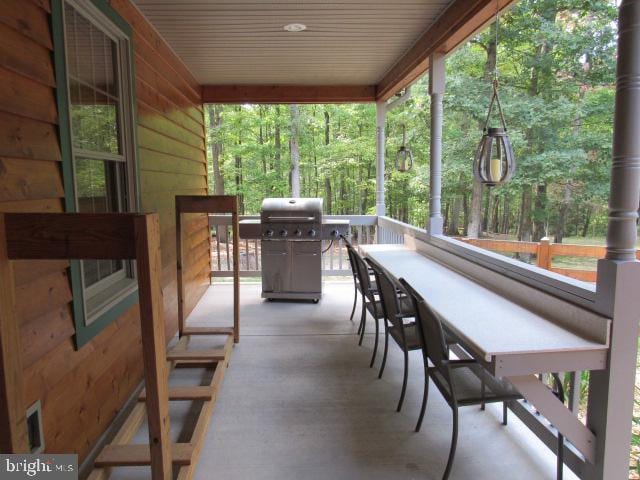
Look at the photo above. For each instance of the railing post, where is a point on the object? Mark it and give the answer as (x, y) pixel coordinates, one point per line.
(436, 91)
(611, 391)
(543, 254)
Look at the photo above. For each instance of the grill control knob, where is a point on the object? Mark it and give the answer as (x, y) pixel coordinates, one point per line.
(268, 233)
(298, 232)
(312, 233)
(335, 233)
(283, 232)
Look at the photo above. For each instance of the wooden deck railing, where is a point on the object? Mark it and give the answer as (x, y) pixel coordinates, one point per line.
(545, 251)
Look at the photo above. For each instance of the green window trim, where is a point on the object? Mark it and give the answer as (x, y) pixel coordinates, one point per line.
(85, 332)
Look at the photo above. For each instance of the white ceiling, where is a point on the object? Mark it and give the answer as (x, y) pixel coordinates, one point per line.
(347, 42)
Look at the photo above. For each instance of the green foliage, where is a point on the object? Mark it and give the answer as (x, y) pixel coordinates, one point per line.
(556, 67)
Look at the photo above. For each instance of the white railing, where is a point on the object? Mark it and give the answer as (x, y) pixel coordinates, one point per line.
(335, 262)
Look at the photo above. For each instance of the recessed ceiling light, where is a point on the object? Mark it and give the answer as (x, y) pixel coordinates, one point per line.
(295, 27)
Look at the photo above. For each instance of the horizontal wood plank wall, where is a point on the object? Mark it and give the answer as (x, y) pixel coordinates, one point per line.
(81, 391)
(173, 159)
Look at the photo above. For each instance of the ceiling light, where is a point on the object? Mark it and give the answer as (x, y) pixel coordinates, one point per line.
(295, 27)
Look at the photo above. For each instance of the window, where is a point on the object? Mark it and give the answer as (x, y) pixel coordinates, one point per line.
(96, 105)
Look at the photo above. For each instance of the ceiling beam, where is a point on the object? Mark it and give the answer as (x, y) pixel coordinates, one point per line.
(288, 93)
(461, 20)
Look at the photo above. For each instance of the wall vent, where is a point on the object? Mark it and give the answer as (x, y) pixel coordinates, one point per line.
(34, 428)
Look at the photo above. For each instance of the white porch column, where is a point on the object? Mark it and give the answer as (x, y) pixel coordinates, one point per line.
(381, 117)
(436, 91)
(611, 391)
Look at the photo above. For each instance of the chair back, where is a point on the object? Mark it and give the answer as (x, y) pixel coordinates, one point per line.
(346, 241)
(350, 251)
(388, 294)
(362, 272)
(430, 331)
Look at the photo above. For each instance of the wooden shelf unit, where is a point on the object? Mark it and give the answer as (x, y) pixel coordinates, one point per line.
(78, 236)
(212, 204)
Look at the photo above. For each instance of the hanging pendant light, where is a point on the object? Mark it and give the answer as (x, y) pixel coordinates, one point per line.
(404, 157)
(494, 162)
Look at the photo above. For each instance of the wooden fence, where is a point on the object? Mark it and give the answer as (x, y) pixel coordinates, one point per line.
(545, 251)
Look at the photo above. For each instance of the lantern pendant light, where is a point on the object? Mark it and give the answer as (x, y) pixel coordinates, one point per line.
(494, 161)
(404, 157)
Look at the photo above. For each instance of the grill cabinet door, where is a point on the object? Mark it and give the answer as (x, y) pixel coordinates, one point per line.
(306, 274)
(275, 266)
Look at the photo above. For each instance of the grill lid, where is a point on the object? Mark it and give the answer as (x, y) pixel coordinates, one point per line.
(291, 210)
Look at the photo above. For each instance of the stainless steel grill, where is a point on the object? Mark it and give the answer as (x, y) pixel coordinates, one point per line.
(292, 231)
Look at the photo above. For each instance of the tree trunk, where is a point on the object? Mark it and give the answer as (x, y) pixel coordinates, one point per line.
(454, 220)
(294, 147)
(216, 149)
(365, 191)
(495, 217)
(445, 220)
(327, 180)
(465, 213)
(475, 222)
(491, 50)
(326, 127)
(587, 221)
(278, 147)
(239, 182)
(505, 217)
(525, 228)
(562, 214)
(539, 213)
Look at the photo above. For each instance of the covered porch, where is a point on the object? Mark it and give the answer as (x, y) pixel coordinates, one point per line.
(299, 400)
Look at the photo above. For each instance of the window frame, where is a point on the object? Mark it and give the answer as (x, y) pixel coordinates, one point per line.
(113, 297)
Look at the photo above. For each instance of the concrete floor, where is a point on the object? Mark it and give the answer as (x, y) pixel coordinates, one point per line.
(299, 401)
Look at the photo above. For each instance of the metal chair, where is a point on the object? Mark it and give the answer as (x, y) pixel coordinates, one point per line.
(352, 263)
(397, 308)
(461, 382)
(370, 302)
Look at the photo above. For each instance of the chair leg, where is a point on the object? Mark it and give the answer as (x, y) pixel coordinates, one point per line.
(425, 396)
(505, 412)
(386, 348)
(375, 345)
(355, 301)
(363, 321)
(404, 379)
(454, 442)
(482, 393)
(560, 457)
(363, 313)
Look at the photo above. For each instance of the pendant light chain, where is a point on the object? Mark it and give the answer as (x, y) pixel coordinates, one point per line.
(495, 97)
(495, 67)
(494, 162)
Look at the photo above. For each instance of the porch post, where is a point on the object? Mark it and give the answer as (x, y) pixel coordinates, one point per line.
(381, 116)
(436, 91)
(611, 391)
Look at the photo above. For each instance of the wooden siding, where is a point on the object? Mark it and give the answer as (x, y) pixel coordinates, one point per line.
(82, 390)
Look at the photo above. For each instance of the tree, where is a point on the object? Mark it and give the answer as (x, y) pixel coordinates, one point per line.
(294, 148)
(216, 148)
